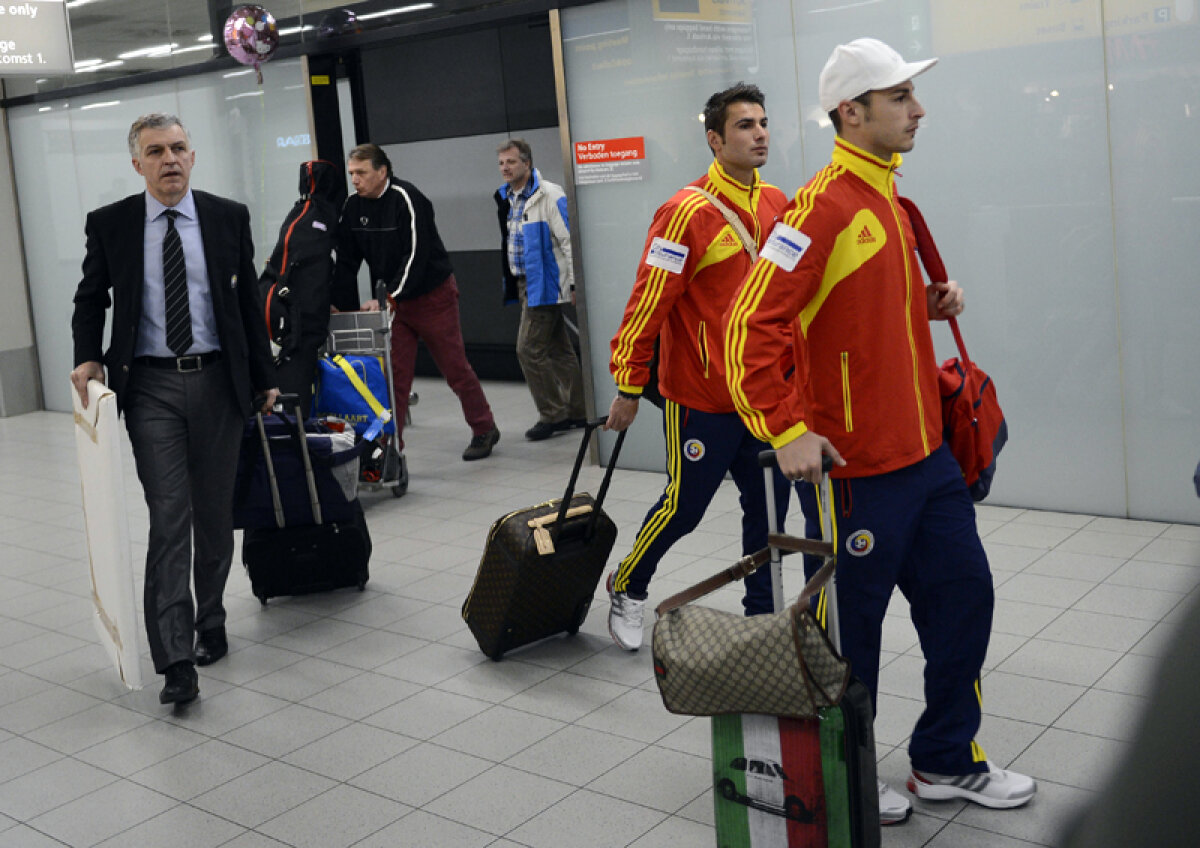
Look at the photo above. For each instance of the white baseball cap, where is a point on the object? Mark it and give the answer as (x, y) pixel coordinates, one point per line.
(865, 64)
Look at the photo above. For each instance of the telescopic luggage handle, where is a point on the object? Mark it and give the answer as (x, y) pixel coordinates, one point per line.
(280, 402)
(589, 427)
(769, 463)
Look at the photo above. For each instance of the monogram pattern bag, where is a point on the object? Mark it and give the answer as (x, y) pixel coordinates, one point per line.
(708, 662)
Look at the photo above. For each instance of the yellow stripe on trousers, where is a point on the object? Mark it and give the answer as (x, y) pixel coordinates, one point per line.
(669, 507)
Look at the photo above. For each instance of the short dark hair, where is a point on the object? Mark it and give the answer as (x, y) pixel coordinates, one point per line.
(374, 154)
(522, 147)
(716, 110)
(835, 117)
(153, 121)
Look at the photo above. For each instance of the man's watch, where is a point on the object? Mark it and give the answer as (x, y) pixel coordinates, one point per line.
(628, 395)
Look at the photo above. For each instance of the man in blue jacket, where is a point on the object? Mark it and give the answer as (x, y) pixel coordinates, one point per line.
(535, 240)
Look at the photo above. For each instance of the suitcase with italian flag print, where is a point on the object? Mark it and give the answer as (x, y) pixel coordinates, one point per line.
(798, 783)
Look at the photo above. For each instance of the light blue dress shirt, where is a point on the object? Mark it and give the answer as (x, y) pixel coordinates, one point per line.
(152, 332)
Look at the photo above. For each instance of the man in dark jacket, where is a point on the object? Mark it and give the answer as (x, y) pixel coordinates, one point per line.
(389, 223)
(186, 357)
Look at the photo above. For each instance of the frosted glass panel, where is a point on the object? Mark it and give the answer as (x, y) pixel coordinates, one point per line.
(1012, 170)
(632, 70)
(71, 157)
(1154, 107)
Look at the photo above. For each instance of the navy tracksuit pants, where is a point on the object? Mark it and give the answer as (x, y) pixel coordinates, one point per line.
(915, 529)
(701, 448)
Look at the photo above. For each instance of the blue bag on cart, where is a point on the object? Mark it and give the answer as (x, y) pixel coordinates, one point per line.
(354, 389)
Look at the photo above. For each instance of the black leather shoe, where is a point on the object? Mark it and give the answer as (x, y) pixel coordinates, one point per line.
(211, 645)
(570, 424)
(182, 685)
(542, 430)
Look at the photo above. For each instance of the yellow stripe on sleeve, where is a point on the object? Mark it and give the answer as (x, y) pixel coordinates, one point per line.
(656, 281)
(748, 300)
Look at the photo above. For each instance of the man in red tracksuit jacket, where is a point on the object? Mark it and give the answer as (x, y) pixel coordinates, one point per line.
(692, 263)
(838, 278)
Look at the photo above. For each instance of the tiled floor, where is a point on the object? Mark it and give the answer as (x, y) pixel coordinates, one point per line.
(372, 719)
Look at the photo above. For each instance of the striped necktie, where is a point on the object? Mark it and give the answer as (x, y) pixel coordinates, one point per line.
(179, 316)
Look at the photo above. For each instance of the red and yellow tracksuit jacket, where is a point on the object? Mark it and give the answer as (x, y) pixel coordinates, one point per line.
(692, 263)
(839, 274)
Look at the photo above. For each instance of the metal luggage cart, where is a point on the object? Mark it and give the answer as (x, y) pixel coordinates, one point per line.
(369, 334)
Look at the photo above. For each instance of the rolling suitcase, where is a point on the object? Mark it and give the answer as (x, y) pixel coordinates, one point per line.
(307, 559)
(790, 782)
(302, 555)
(541, 565)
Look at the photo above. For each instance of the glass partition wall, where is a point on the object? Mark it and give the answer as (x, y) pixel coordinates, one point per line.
(70, 156)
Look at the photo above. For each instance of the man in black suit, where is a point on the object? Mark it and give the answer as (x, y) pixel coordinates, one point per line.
(186, 356)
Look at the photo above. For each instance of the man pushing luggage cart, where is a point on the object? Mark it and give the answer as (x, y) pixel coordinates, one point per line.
(389, 223)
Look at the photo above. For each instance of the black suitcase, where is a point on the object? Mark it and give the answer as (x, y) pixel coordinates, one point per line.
(541, 565)
(307, 559)
(315, 554)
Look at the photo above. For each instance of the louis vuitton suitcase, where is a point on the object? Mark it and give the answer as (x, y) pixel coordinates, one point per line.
(541, 565)
(789, 782)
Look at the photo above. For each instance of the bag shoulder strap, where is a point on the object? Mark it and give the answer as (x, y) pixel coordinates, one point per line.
(732, 219)
(750, 563)
(361, 387)
(932, 260)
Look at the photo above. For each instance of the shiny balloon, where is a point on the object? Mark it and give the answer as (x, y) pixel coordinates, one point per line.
(251, 36)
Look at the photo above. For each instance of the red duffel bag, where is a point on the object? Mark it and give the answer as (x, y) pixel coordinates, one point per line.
(972, 422)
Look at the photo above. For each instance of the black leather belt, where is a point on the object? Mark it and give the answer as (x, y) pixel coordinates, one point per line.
(182, 364)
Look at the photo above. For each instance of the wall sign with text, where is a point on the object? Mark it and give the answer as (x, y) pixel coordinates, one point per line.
(35, 38)
(609, 160)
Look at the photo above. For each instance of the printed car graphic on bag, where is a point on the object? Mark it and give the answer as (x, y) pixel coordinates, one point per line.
(768, 788)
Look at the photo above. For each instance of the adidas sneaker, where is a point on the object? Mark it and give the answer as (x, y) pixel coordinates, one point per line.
(625, 617)
(994, 788)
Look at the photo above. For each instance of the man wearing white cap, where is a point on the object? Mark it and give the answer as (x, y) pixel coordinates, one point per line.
(839, 269)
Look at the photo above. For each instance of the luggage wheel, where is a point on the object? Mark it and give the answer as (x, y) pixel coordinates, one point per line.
(262, 599)
(580, 617)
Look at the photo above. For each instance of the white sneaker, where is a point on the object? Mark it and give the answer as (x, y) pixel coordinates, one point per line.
(894, 808)
(625, 617)
(994, 788)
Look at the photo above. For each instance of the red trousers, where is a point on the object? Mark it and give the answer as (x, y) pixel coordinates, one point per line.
(433, 318)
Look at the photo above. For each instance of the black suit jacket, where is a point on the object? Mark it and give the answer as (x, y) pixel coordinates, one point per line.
(113, 263)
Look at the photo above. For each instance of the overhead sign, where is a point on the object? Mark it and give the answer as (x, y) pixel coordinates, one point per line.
(971, 25)
(609, 160)
(706, 32)
(35, 38)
